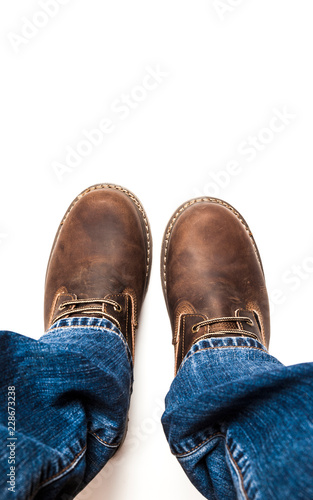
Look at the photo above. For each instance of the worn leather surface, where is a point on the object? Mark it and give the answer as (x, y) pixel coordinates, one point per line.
(102, 250)
(211, 268)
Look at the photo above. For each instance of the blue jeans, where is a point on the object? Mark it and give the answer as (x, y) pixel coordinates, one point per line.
(72, 394)
(239, 422)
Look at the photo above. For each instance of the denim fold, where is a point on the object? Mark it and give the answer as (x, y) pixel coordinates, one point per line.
(240, 422)
(73, 389)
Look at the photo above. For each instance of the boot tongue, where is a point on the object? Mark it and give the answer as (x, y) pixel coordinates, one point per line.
(223, 325)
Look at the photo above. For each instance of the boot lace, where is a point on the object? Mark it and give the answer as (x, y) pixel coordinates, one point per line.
(235, 331)
(89, 306)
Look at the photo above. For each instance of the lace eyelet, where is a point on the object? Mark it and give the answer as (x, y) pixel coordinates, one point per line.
(118, 308)
(61, 307)
(195, 329)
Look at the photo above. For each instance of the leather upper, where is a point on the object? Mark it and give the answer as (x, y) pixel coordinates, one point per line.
(102, 250)
(211, 269)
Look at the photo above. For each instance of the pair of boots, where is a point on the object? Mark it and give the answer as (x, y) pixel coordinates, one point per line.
(211, 271)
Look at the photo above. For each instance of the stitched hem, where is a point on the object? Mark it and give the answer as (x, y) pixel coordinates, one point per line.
(238, 471)
(59, 329)
(64, 471)
(83, 321)
(236, 466)
(81, 327)
(74, 462)
(196, 448)
(191, 354)
(99, 328)
(229, 347)
(103, 442)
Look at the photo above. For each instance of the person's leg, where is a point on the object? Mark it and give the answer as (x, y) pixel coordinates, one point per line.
(239, 422)
(70, 390)
(71, 393)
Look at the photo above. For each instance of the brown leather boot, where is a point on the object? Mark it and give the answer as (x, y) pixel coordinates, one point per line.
(100, 260)
(212, 276)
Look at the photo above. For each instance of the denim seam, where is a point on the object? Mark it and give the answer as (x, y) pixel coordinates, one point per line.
(63, 471)
(238, 470)
(217, 434)
(113, 446)
(221, 347)
(189, 452)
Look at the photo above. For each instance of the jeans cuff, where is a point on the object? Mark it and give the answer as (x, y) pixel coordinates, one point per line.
(84, 321)
(222, 342)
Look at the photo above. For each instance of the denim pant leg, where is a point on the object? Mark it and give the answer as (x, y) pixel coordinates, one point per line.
(240, 423)
(72, 394)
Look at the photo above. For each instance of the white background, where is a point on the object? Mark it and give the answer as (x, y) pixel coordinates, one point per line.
(227, 76)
